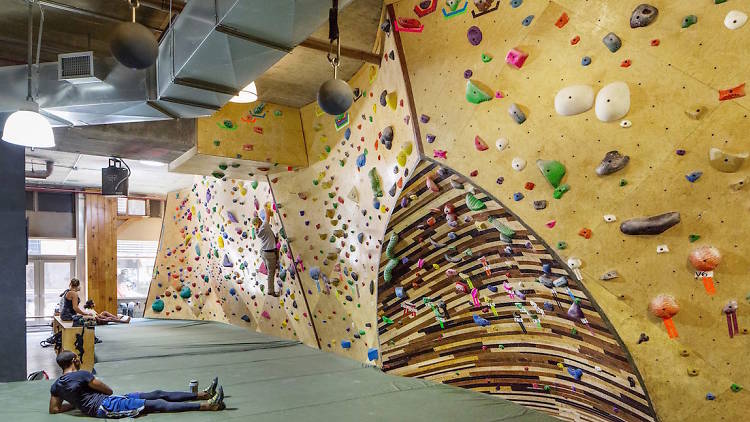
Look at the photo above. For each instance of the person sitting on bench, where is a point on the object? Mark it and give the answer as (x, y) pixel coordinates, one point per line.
(82, 390)
(70, 302)
(104, 317)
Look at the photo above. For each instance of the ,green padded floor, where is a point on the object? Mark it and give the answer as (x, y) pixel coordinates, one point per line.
(265, 379)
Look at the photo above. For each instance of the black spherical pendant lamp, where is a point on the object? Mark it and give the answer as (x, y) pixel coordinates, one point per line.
(132, 44)
(334, 96)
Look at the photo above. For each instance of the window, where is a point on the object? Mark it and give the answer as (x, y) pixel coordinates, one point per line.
(130, 206)
(135, 268)
(52, 247)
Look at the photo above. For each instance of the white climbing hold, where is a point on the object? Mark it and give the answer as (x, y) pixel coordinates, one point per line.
(574, 99)
(518, 164)
(612, 102)
(501, 144)
(735, 19)
(662, 249)
(610, 218)
(626, 124)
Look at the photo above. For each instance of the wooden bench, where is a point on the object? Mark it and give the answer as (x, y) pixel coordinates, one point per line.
(79, 340)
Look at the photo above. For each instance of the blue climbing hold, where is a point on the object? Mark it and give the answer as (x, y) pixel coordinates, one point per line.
(547, 268)
(232, 291)
(452, 236)
(527, 20)
(347, 133)
(361, 160)
(515, 3)
(372, 354)
(692, 177)
(245, 318)
(399, 292)
(576, 373)
(710, 396)
(517, 196)
(315, 273)
(493, 289)
(185, 292)
(481, 321)
(158, 305)
(345, 344)
(585, 61)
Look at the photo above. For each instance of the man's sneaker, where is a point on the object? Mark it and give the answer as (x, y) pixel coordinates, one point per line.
(217, 401)
(211, 389)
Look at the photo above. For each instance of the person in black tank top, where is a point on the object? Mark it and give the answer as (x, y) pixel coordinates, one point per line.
(70, 301)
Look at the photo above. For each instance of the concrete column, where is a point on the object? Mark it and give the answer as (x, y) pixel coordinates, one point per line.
(13, 250)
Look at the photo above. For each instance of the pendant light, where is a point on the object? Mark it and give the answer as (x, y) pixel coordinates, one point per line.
(26, 126)
(248, 94)
(132, 44)
(334, 96)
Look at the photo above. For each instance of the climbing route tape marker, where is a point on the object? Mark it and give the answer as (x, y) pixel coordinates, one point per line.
(671, 330)
(708, 281)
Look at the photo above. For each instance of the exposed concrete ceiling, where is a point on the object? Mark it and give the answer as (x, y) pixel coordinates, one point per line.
(74, 171)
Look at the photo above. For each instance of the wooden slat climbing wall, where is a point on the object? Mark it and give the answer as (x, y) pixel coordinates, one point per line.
(101, 252)
(512, 336)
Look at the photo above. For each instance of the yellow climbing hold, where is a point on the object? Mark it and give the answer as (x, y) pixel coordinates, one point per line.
(221, 242)
(392, 100)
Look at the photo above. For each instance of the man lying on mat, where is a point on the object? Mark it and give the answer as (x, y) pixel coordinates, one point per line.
(82, 390)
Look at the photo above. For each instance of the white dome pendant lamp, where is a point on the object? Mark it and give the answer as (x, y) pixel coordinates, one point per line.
(26, 126)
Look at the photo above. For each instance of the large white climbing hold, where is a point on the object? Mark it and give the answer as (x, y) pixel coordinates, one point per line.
(612, 102)
(501, 144)
(574, 99)
(518, 164)
(735, 19)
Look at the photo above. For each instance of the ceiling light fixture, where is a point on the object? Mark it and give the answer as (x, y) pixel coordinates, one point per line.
(134, 45)
(334, 95)
(26, 126)
(248, 94)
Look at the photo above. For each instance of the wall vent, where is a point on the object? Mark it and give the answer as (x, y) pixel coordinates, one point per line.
(77, 68)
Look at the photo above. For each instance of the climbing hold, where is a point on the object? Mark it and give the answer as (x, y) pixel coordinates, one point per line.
(562, 20)
(609, 275)
(158, 305)
(575, 310)
(693, 238)
(655, 42)
(477, 93)
(516, 114)
(736, 388)
(562, 245)
(735, 19)
(710, 396)
(652, 225)
(726, 162)
(372, 354)
(474, 34)
(431, 185)
(732, 93)
(585, 233)
(486, 58)
(626, 124)
(576, 373)
(610, 218)
(664, 306)
(689, 20)
(662, 249)
(516, 58)
(642, 338)
(540, 204)
(693, 372)
(575, 40)
(425, 7)
(574, 99)
(479, 144)
(643, 15)
(695, 112)
(740, 184)
(474, 203)
(515, 3)
(613, 161)
(501, 144)
(518, 164)
(612, 41)
(377, 190)
(560, 191)
(692, 177)
(552, 170)
(480, 321)
(705, 258)
(612, 102)
(386, 137)
(527, 20)
(517, 196)
(585, 61)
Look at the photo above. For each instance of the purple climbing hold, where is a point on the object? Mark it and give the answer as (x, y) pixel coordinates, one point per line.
(424, 118)
(468, 73)
(231, 217)
(404, 202)
(430, 138)
(474, 34)
(680, 152)
(227, 263)
(575, 310)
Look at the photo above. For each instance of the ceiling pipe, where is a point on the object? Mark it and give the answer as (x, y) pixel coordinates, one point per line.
(41, 174)
(89, 13)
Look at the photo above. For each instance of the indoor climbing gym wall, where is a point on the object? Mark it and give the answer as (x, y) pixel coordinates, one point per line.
(336, 210)
(617, 132)
(209, 267)
(471, 297)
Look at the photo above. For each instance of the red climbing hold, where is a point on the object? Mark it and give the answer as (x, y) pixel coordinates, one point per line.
(529, 186)
(562, 20)
(732, 93)
(474, 173)
(479, 144)
(575, 40)
(655, 42)
(625, 63)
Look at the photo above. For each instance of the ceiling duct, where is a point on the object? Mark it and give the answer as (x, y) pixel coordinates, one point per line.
(213, 50)
(41, 174)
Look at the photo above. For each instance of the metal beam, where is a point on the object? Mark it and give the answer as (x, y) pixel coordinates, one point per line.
(163, 5)
(89, 13)
(324, 46)
(228, 30)
(207, 86)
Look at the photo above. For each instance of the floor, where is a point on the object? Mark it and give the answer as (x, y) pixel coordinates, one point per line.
(265, 378)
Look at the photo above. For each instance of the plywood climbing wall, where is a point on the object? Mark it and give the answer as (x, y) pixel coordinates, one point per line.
(208, 266)
(333, 211)
(671, 71)
(463, 304)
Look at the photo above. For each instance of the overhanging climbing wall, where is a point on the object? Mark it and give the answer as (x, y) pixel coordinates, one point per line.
(675, 73)
(464, 304)
(336, 210)
(208, 266)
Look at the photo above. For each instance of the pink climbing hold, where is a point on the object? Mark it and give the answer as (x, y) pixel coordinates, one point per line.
(516, 58)
(439, 153)
(265, 315)
(551, 223)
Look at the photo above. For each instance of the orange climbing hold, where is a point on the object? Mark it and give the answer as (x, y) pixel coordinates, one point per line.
(562, 20)
(625, 63)
(575, 40)
(585, 233)
(732, 93)
(655, 42)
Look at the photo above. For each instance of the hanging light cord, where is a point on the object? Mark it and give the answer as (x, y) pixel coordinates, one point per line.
(133, 5)
(333, 35)
(39, 44)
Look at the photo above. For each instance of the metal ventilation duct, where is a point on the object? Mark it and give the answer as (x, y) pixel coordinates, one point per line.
(214, 49)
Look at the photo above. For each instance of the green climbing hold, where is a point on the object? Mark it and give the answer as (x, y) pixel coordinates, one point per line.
(562, 245)
(693, 237)
(623, 182)
(217, 174)
(736, 388)
(573, 331)
(475, 93)
(254, 184)
(277, 113)
(158, 305)
(560, 190)
(222, 167)
(552, 170)
(327, 148)
(388, 270)
(217, 142)
(474, 203)
(387, 320)
(689, 20)
(486, 58)
(547, 387)
(502, 228)
(377, 190)
(391, 246)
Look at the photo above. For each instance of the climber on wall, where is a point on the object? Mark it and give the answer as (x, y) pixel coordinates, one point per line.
(82, 390)
(270, 253)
